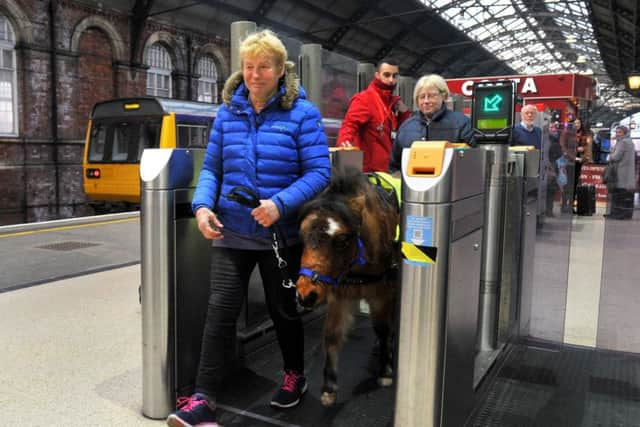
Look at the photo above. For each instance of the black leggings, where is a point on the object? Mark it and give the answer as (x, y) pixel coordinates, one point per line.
(230, 272)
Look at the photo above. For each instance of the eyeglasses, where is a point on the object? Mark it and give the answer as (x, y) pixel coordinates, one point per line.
(428, 96)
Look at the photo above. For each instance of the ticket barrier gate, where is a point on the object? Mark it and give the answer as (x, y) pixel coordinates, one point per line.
(521, 209)
(175, 263)
(441, 231)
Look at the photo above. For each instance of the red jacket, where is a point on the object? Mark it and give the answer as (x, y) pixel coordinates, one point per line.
(368, 124)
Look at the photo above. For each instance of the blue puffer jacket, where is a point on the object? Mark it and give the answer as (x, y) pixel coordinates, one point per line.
(281, 154)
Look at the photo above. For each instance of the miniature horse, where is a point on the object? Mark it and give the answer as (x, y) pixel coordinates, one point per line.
(350, 254)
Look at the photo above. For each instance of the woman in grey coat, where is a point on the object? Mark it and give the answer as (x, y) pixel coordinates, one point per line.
(621, 191)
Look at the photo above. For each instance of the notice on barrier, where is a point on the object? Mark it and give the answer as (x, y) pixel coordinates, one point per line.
(417, 247)
(419, 230)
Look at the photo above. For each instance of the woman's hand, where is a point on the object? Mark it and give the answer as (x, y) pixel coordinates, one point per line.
(266, 214)
(208, 224)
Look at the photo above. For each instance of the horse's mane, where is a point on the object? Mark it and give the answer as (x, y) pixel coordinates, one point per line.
(345, 184)
(347, 181)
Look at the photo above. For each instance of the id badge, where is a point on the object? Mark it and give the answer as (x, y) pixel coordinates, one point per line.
(393, 135)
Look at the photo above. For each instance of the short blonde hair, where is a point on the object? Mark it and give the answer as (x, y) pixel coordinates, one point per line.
(431, 80)
(266, 43)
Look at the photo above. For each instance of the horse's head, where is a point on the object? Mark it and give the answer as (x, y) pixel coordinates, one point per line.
(329, 231)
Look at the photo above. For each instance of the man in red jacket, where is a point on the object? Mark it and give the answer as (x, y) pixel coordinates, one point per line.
(373, 118)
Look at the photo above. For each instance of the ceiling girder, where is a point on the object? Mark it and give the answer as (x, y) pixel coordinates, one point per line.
(139, 14)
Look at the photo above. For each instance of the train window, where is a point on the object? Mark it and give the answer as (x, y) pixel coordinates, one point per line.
(192, 136)
(149, 137)
(122, 136)
(97, 142)
(122, 141)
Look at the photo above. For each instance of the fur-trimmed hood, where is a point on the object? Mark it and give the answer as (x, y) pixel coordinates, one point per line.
(292, 89)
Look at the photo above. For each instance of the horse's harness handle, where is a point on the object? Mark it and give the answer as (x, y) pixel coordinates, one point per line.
(247, 197)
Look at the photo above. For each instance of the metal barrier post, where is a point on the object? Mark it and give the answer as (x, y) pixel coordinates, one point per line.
(521, 202)
(528, 162)
(441, 232)
(405, 90)
(238, 32)
(365, 75)
(311, 71)
(163, 172)
(491, 247)
(492, 118)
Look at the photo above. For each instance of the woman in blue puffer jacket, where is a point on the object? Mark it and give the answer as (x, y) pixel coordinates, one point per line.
(269, 139)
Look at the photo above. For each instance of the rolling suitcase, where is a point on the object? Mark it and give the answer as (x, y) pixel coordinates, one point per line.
(586, 199)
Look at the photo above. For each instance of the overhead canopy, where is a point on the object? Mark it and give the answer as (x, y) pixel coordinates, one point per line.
(617, 30)
(455, 39)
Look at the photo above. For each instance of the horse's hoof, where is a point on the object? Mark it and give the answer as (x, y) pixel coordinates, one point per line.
(385, 381)
(328, 399)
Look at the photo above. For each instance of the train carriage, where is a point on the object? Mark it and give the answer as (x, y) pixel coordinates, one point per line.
(120, 129)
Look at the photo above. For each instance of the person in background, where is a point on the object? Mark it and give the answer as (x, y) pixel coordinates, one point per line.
(433, 121)
(268, 138)
(622, 190)
(569, 144)
(584, 151)
(373, 118)
(526, 132)
(555, 152)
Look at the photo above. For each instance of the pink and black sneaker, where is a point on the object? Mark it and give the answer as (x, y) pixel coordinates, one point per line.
(194, 411)
(293, 387)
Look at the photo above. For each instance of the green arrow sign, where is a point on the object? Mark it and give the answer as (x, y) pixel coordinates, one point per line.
(492, 104)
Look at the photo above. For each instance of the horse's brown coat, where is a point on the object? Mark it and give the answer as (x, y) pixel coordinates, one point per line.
(360, 210)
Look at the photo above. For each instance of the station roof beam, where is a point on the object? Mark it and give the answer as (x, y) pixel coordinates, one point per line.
(139, 14)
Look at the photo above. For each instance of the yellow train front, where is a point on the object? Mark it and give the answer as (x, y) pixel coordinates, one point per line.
(120, 129)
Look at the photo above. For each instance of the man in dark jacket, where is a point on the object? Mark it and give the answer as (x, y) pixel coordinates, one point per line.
(433, 121)
(526, 132)
(373, 117)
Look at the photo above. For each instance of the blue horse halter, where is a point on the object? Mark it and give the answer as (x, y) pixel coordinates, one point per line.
(315, 277)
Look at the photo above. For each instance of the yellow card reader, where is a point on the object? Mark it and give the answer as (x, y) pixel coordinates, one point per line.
(426, 157)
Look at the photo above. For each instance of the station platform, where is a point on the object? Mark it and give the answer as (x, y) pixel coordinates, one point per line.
(71, 324)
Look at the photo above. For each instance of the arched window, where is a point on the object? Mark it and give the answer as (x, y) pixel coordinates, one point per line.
(159, 72)
(8, 80)
(207, 83)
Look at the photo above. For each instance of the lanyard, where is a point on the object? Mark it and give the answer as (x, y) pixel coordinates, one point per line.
(385, 113)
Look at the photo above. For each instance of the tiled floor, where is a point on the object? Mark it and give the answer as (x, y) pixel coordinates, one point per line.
(72, 352)
(72, 348)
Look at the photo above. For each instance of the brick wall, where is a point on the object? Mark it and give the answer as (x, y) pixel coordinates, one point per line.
(95, 77)
(41, 168)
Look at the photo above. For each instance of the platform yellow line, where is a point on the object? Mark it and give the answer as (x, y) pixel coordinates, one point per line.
(66, 227)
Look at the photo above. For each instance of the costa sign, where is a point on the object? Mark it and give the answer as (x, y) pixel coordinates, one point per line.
(543, 86)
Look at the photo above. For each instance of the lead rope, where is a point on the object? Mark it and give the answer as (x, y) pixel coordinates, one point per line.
(287, 283)
(251, 200)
